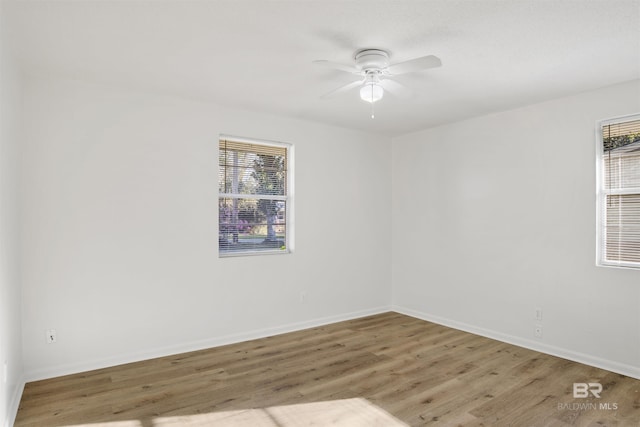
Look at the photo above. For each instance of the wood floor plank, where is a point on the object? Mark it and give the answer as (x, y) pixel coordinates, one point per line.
(419, 372)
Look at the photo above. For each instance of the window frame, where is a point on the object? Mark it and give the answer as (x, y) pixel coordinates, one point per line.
(287, 198)
(602, 193)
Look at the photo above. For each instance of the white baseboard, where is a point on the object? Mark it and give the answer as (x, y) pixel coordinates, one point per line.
(609, 365)
(56, 371)
(12, 410)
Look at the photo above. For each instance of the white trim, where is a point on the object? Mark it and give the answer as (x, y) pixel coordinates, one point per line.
(291, 209)
(253, 141)
(621, 191)
(619, 119)
(12, 410)
(73, 368)
(253, 253)
(252, 196)
(599, 185)
(609, 365)
(619, 264)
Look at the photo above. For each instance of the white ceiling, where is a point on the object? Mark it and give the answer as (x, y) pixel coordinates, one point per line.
(257, 54)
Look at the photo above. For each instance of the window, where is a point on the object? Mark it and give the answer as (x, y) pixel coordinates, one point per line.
(619, 192)
(254, 199)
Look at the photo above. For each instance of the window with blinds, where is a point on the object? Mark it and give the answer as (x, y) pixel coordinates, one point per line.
(619, 192)
(253, 197)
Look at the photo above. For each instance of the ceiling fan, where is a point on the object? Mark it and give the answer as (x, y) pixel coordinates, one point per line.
(374, 69)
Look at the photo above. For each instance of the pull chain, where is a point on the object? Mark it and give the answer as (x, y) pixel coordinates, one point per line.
(372, 102)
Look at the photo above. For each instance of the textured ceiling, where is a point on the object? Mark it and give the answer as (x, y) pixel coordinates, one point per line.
(258, 54)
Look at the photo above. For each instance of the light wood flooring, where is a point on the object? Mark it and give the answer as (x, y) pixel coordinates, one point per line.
(364, 369)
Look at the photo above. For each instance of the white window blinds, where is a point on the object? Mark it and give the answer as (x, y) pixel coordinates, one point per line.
(253, 197)
(619, 192)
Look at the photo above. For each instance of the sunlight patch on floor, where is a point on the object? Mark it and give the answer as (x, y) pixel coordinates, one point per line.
(357, 412)
(128, 423)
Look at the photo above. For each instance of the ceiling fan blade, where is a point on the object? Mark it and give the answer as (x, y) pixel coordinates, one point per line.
(337, 66)
(343, 89)
(417, 64)
(396, 88)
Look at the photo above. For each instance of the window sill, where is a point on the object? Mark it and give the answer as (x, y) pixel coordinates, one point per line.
(253, 253)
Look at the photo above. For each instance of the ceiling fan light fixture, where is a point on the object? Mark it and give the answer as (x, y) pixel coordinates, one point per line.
(371, 92)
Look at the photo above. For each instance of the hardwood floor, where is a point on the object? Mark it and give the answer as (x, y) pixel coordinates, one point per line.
(418, 372)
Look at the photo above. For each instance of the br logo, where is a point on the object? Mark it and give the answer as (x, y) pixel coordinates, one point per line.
(582, 390)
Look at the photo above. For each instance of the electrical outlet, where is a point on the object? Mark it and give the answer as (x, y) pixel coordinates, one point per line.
(537, 331)
(538, 314)
(51, 336)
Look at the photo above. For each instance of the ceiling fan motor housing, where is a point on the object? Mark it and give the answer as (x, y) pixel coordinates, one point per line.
(371, 59)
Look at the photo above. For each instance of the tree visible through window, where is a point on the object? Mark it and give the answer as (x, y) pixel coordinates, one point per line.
(253, 197)
(619, 192)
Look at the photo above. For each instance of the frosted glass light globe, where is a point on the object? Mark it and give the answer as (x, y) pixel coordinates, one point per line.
(371, 92)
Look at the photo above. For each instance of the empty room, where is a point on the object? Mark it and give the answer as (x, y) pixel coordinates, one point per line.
(307, 213)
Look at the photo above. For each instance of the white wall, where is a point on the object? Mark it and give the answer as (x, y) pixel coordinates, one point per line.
(495, 216)
(10, 320)
(491, 217)
(120, 228)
